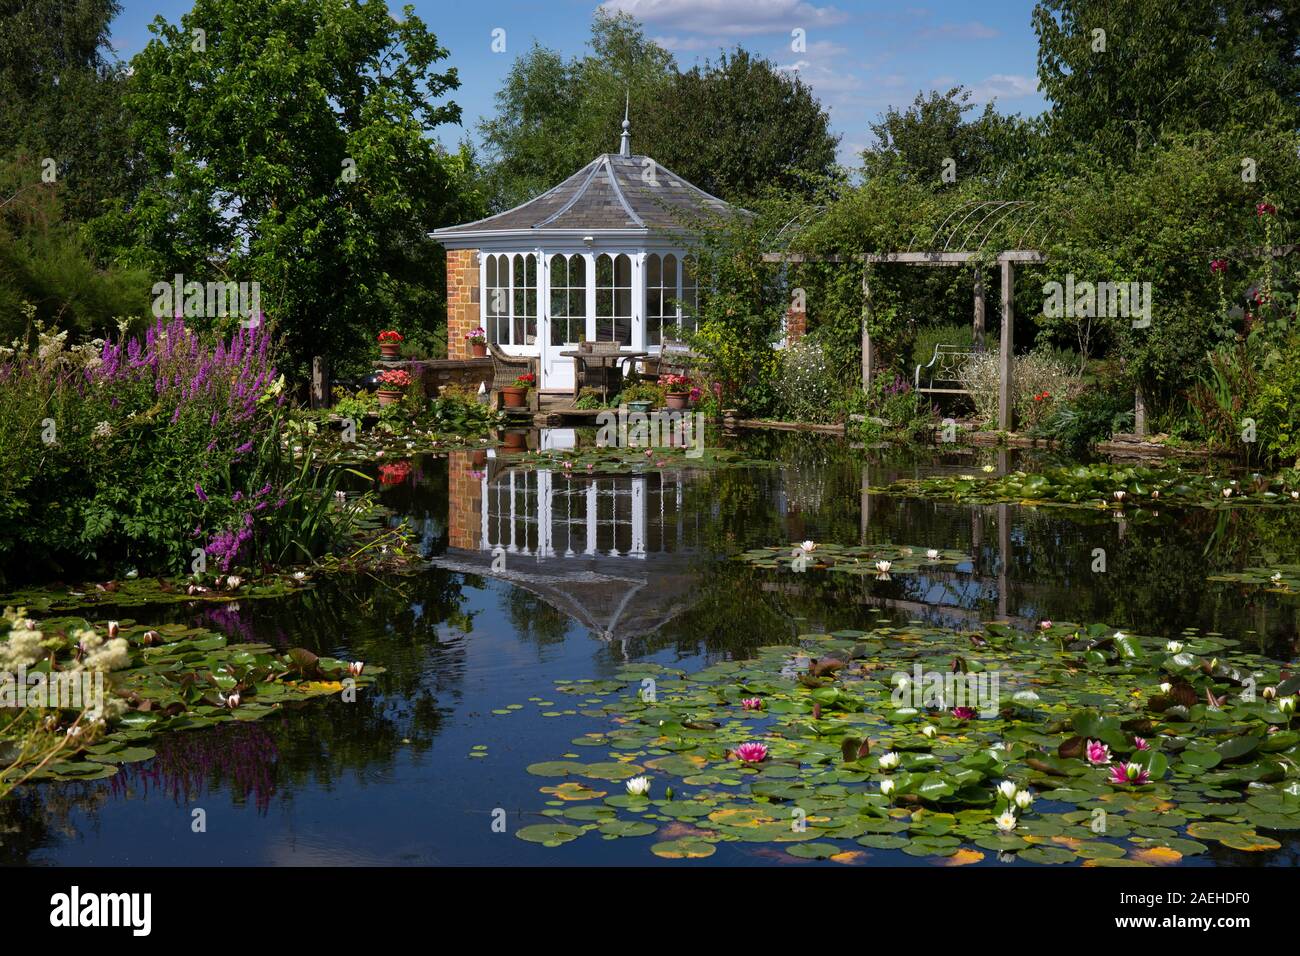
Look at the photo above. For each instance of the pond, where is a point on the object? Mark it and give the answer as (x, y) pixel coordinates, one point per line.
(541, 577)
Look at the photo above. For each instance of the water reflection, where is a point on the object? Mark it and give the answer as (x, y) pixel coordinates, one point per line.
(542, 577)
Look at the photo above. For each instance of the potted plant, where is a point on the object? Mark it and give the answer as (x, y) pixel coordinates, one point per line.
(477, 339)
(390, 345)
(677, 390)
(515, 439)
(516, 395)
(392, 384)
(641, 397)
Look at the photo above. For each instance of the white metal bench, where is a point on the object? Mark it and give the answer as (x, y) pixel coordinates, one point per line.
(944, 369)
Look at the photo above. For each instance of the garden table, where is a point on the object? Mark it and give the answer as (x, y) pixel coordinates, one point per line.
(607, 362)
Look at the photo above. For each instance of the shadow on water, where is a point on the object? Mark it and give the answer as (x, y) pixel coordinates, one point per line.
(540, 577)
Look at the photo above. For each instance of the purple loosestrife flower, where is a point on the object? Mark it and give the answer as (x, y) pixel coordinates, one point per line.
(198, 490)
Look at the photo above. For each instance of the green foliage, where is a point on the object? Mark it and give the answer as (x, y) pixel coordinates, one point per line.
(927, 337)
(1165, 68)
(1275, 406)
(1091, 416)
(335, 103)
(710, 124)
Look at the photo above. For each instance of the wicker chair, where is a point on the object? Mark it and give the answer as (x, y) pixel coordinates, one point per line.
(597, 374)
(507, 368)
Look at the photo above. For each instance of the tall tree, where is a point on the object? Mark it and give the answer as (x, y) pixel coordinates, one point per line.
(916, 144)
(61, 99)
(1120, 75)
(733, 127)
(288, 142)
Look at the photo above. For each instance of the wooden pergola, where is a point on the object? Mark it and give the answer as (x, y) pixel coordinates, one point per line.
(1007, 261)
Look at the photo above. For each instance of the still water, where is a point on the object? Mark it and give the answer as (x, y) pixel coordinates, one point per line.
(591, 574)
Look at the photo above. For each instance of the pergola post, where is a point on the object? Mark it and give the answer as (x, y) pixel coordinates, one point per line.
(979, 309)
(868, 358)
(1005, 411)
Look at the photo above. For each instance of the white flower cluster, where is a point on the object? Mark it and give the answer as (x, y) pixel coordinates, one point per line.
(100, 654)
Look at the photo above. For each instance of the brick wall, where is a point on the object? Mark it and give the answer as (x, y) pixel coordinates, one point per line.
(796, 325)
(462, 300)
(435, 373)
(465, 499)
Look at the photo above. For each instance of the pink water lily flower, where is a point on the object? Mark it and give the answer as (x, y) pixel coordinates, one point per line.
(1129, 774)
(1141, 743)
(751, 753)
(964, 713)
(752, 703)
(1098, 753)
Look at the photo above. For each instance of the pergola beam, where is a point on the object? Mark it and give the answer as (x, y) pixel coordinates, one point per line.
(1007, 260)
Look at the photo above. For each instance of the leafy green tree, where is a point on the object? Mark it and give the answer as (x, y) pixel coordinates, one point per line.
(915, 144)
(288, 142)
(61, 99)
(734, 128)
(1120, 75)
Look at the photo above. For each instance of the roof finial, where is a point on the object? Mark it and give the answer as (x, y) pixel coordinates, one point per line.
(625, 144)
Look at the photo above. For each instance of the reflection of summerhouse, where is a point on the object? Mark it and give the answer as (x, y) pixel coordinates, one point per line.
(613, 553)
(602, 257)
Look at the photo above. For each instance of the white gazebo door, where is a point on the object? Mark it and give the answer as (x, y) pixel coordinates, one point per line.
(564, 310)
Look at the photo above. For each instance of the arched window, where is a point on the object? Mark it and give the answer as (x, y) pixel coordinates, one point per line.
(660, 295)
(496, 301)
(688, 308)
(568, 299)
(614, 298)
(510, 303)
(523, 282)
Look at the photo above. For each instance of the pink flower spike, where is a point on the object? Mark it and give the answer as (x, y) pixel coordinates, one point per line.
(1129, 774)
(1098, 753)
(751, 753)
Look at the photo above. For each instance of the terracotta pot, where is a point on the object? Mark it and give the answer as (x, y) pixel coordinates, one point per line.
(677, 400)
(388, 397)
(515, 396)
(390, 351)
(478, 349)
(516, 440)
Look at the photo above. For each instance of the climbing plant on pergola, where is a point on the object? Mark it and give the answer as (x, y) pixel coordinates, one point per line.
(945, 249)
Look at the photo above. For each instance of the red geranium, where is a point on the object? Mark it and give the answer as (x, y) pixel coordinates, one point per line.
(527, 380)
(1265, 209)
(1219, 265)
(389, 335)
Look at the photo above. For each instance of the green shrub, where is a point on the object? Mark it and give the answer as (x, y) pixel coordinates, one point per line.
(805, 385)
(927, 337)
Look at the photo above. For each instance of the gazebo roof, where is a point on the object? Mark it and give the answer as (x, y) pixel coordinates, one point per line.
(613, 194)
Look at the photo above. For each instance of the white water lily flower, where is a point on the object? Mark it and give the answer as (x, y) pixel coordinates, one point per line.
(1286, 705)
(1269, 692)
(1024, 799)
(1006, 822)
(1276, 577)
(1174, 647)
(1007, 790)
(1227, 492)
(887, 787)
(929, 730)
(1295, 494)
(638, 786)
(889, 760)
(1166, 687)
(1119, 495)
(932, 554)
(808, 546)
(884, 566)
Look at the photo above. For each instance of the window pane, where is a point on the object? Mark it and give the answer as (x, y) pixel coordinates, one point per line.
(651, 270)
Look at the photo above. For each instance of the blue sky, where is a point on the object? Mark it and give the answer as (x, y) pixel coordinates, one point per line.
(861, 56)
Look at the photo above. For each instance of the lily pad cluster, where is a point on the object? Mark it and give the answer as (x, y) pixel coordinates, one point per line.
(1073, 744)
(1280, 578)
(179, 678)
(1103, 485)
(135, 592)
(870, 559)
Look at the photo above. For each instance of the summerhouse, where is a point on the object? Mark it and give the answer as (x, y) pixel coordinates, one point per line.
(605, 256)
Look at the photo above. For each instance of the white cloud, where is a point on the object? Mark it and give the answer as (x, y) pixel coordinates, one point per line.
(1004, 86)
(728, 18)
